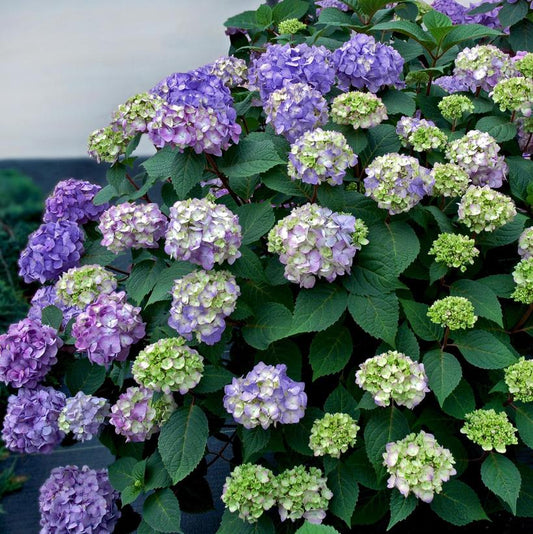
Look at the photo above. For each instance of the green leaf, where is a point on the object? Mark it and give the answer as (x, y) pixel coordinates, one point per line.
(524, 506)
(399, 103)
(96, 254)
(273, 321)
(105, 195)
(145, 528)
(502, 477)
(248, 266)
(297, 435)
(501, 285)
(143, 278)
(485, 301)
(510, 14)
(246, 20)
(130, 494)
(213, 379)
(161, 511)
(524, 422)
(330, 351)
(156, 475)
(376, 314)
(52, 316)
(400, 507)
(406, 28)
(458, 504)
(416, 314)
(434, 20)
(318, 308)
(289, 9)
(341, 401)
(285, 351)
(232, 524)
(82, 375)
(507, 234)
(521, 36)
(444, 373)
(263, 15)
(520, 172)
(483, 349)
(334, 17)
(467, 32)
(254, 440)
(121, 473)
(382, 139)
(460, 401)
(407, 343)
(244, 186)
(384, 426)
(255, 220)
(278, 180)
(342, 481)
(166, 279)
(499, 127)
(310, 528)
(182, 441)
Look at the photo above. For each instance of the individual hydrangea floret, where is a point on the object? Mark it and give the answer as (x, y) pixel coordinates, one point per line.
(202, 232)
(28, 350)
(46, 296)
(136, 113)
(264, 397)
(83, 415)
(514, 94)
(523, 278)
(519, 380)
(393, 376)
(478, 154)
(78, 501)
(302, 493)
(420, 134)
(524, 64)
(130, 225)
(453, 107)
(362, 62)
(295, 109)
(108, 144)
(483, 210)
(315, 242)
(455, 313)
(418, 464)
(201, 301)
(80, 286)
(333, 434)
(72, 200)
(320, 156)
(450, 180)
(231, 70)
(31, 420)
(525, 243)
(108, 328)
(52, 249)
(137, 416)
(397, 182)
(454, 250)
(250, 490)
(290, 26)
(489, 429)
(359, 110)
(168, 365)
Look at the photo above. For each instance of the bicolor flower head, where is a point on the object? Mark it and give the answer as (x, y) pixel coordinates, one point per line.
(456, 313)
(333, 434)
(524, 64)
(450, 180)
(454, 250)
(83, 415)
(136, 113)
(108, 144)
(420, 134)
(490, 430)
(523, 278)
(231, 70)
(358, 109)
(525, 243)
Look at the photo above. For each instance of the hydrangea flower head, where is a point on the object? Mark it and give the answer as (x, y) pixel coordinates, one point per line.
(201, 301)
(203, 233)
(83, 415)
(452, 84)
(489, 429)
(519, 380)
(450, 180)
(420, 134)
(454, 250)
(523, 278)
(72, 200)
(358, 109)
(107, 329)
(393, 376)
(452, 9)
(27, 353)
(130, 225)
(250, 490)
(46, 296)
(168, 365)
(525, 243)
(78, 501)
(456, 313)
(107, 144)
(231, 70)
(136, 113)
(524, 64)
(290, 26)
(333, 434)
(337, 4)
(514, 94)
(315, 242)
(320, 156)
(31, 420)
(418, 464)
(453, 107)
(264, 397)
(52, 249)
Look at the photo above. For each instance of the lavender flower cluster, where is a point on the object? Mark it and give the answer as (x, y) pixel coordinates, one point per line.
(83, 415)
(46, 296)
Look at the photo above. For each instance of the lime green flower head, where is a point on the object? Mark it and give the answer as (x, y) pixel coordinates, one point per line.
(523, 277)
(525, 65)
(290, 26)
(456, 313)
(490, 430)
(519, 380)
(452, 107)
(514, 94)
(450, 180)
(333, 434)
(454, 250)
(360, 110)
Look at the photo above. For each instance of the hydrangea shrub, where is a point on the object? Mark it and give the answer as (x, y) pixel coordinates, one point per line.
(323, 277)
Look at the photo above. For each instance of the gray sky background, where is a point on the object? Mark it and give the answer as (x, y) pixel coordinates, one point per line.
(66, 64)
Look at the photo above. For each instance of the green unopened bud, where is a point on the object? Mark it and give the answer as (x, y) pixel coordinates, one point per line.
(519, 380)
(333, 434)
(417, 77)
(456, 313)
(490, 430)
(359, 237)
(452, 107)
(290, 26)
(454, 250)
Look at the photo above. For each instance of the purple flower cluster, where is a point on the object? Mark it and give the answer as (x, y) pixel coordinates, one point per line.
(295, 109)
(72, 200)
(52, 249)
(131, 225)
(265, 396)
(83, 415)
(31, 420)
(78, 501)
(46, 296)
(459, 14)
(295, 64)
(107, 328)
(27, 353)
(203, 233)
(362, 62)
(323, 4)
(452, 84)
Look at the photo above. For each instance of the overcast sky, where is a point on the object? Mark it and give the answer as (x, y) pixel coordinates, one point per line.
(66, 64)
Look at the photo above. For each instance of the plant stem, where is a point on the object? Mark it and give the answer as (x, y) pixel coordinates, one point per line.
(213, 167)
(445, 340)
(130, 180)
(522, 321)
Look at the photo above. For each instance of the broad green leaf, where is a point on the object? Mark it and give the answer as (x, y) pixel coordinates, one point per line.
(143, 278)
(434, 19)
(246, 20)
(342, 481)
(167, 277)
(507, 234)
(510, 14)
(272, 321)
(145, 528)
(399, 103)
(366, 474)
(501, 285)
(341, 401)
(408, 49)
(483, 349)
(121, 473)
(376, 314)
(161, 511)
(499, 127)
(407, 28)
(130, 494)
(182, 441)
(156, 475)
(96, 254)
(407, 343)
(521, 36)
(485, 301)
(524, 422)
(460, 401)
(232, 524)
(255, 220)
(330, 351)
(334, 17)
(467, 32)
(52, 316)
(382, 139)
(524, 506)
(297, 435)
(105, 195)
(416, 313)
(458, 504)
(311, 528)
(254, 440)
(285, 351)
(289, 9)
(520, 172)
(263, 15)
(82, 375)
(502, 477)
(244, 186)
(213, 379)
(444, 373)
(278, 180)
(248, 266)
(400, 507)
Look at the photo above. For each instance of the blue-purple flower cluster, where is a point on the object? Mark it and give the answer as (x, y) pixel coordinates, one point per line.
(83, 415)
(46, 296)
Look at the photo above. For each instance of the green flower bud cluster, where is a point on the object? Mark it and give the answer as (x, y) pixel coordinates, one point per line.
(417, 77)
(249, 490)
(134, 115)
(514, 94)
(393, 376)
(360, 110)
(333, 434)
(525, 243)
(452, 107)
(519, 379)
(107, 144)
(168, 365)
(418, 464)
(454, 250)
(450, 180)
(525, 65)
(81, 286)
(490, 430)
(360, 234)
(290, 26)
(426, 138)
(456, 313)
(523, 277)
(483, 210)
